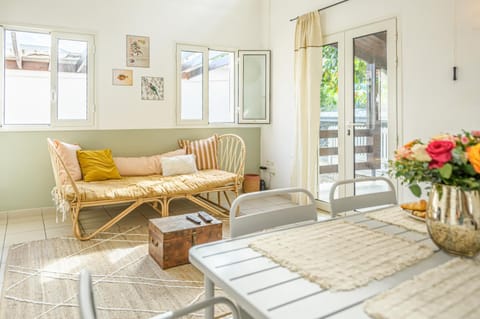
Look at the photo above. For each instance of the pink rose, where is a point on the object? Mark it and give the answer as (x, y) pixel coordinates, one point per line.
(464, 140)
(476, 133)
(440, 151)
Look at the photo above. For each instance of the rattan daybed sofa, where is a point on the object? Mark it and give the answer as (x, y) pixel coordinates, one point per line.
(71, 196)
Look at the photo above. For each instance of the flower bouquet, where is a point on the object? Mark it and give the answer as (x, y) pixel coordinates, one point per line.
(452, 160)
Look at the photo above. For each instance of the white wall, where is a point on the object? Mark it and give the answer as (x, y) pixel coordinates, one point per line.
(429, 100)
(226, 24)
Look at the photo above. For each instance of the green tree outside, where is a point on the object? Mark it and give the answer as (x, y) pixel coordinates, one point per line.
(329, 86)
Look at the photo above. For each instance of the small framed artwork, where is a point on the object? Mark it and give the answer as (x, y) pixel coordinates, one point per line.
(152, 88)
(138, 51)
(122, 77)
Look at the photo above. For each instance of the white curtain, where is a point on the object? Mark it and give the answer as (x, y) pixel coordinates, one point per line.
(308, 74)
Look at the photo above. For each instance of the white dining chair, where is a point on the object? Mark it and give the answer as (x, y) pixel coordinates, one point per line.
(261, 219)
(372, 199)
(85, 296)
(88, 311)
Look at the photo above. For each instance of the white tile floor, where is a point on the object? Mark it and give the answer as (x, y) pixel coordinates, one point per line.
(40, 223)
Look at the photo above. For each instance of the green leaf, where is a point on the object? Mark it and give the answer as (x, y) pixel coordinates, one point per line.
(415, 189)
(469, 170)
(459, 155)
(446, 171)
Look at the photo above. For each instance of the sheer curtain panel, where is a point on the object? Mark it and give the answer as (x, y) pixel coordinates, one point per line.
(308, 74)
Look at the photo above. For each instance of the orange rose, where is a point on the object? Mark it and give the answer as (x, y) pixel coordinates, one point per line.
(411, 143)
(473, 154)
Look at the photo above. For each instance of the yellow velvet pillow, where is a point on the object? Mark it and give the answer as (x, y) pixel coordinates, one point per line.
(97, 165)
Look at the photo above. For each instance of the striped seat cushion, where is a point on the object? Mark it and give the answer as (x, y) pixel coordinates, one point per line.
(205, 151)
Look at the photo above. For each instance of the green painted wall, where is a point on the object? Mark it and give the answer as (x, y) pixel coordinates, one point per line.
(26, 176)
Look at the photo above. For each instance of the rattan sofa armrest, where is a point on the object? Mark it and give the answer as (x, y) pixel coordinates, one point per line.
(57, 165)
(231, 155)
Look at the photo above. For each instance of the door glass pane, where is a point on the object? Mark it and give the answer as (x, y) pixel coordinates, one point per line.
(370, 109)
(191, 85)
(27, 78)
(72, 80)
(328, 146)
(221, 86)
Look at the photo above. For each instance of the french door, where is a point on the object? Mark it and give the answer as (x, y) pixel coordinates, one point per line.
(358, 117)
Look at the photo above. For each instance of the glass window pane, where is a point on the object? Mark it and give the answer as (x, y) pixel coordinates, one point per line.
(221, 86)
(254, 87)
(191, 85)
(72, 80)
(328, 143)
(370, 109)
(27, 78)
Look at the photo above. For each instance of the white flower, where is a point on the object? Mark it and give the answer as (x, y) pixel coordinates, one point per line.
(420, 153)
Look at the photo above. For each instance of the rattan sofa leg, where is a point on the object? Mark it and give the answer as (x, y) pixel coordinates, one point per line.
(76, 221)
(227, 199)
(81, 236)
(155, 204)
(208, 205)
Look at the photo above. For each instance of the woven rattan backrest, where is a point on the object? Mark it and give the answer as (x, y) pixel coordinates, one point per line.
(231, 153)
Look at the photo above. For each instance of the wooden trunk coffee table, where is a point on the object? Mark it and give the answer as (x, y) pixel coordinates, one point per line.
(170, 238)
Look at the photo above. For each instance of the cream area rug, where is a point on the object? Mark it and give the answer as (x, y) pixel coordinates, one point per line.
(41, 278)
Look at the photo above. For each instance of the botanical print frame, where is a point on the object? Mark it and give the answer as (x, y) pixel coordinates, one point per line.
(122, 77)
(138, 51)
(152, 88)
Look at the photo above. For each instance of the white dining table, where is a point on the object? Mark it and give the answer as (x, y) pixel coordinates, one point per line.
(264, 289)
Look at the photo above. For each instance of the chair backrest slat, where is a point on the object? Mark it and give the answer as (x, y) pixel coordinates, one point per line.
(261, 220)
(373, 199)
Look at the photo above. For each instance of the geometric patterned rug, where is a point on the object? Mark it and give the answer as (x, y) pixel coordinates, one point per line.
(41, 278)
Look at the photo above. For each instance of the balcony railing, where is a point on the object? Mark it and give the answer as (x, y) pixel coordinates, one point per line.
(371, 151)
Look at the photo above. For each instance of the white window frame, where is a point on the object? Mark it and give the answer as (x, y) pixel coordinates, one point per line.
(241, 62)
(205, 84)
(204, 51)
(55, 36)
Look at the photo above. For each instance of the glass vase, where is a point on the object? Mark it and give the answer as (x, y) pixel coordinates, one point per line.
(453, 219)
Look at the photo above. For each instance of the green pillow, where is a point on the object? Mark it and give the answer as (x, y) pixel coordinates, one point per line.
(97, 165)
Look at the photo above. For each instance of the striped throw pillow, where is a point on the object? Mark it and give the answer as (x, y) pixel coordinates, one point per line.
(205, 151)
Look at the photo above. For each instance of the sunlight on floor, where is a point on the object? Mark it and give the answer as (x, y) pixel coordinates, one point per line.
(40, 223)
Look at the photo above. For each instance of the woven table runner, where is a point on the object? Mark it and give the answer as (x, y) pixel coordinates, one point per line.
(339, 255)
(448, 291)
(399, 217)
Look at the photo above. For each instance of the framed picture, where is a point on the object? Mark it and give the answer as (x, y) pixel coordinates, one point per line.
(122, 77)
(138, 51)
(152, 88)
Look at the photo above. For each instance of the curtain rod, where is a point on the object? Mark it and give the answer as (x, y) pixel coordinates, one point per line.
(324, 8)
